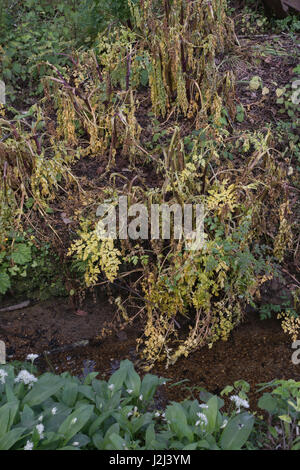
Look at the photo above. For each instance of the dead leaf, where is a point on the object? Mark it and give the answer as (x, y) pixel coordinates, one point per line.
(81, 313)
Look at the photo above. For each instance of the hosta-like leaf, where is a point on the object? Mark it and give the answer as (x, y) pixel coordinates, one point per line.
(10, 438)
(46, 386)
(237, 432)
(75, 422)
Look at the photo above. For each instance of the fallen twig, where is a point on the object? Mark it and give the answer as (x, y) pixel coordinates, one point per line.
(11, 308)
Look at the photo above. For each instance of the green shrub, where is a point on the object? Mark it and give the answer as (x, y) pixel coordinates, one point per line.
(282, 404)
(30, 267)
(32, 33)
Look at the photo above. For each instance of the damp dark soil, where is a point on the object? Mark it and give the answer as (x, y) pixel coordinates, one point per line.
(257, 351)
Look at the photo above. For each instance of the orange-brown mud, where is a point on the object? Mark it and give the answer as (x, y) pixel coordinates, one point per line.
(257, 351)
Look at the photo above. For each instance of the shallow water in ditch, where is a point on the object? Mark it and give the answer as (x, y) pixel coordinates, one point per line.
(257, 351)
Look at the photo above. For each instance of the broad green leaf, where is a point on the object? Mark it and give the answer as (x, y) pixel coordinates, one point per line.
(97, 423)
(46, 386)
(75, 422)
(70, 393)
(237, 432)
(211, 413)
(204, 396)
(255, 83)
(7, 416)
(10, 393)
(13, 436)
(141, 421)
(267, 402)
(144, 77)
(4, 283)
(114, 429)
(149, 385)
(192, 446)
(90, 377)
(98, 440)
(27, 417)
(178, 423)
(133, 381)
(22, 254)
(117, 441)
(117, 379)
(87, 392)
(150, 437)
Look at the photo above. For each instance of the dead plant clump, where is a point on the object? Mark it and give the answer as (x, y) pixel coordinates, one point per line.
(148, 114)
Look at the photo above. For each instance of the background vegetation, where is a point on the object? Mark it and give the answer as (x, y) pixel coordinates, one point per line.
(143, 96)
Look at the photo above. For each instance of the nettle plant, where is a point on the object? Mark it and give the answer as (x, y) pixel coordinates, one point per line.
(282, 404)
(32, 32)
(52, 412)
(27, 265)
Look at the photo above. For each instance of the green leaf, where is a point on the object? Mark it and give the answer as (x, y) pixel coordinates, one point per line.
(285, 418)
(27, 417)
(228, 389)
(268, 403)
(7, 441)
(70, 393)
(149, 385)
(90, 377)
(144, 77)
(22, 254)
(75, 422)
(87, 392)
(133, 381)
(143, 420)
(98, 440)
(237, 432)
(240, 117)
(95, 426)
(4, 283)
(117, 441)
(114, 429)
(192, 446)
(46, 386)
(150, 437)
(211, 413)
(178, 421)
(7, 416)
(118, 378)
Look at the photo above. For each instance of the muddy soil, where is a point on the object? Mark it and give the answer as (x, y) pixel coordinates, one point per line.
(257, 351)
